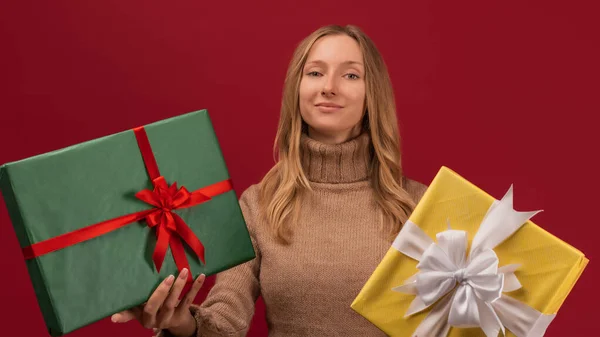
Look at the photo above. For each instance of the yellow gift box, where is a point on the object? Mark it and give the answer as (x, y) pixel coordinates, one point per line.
(549, 267)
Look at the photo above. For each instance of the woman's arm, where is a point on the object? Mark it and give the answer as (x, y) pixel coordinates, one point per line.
(229, 306)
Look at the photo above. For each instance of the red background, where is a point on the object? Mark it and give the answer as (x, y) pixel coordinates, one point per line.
(502, 92)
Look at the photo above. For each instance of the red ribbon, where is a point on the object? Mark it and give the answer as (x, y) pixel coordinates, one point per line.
(170, 228)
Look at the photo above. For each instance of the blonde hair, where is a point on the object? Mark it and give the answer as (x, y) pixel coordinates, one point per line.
(283, 186)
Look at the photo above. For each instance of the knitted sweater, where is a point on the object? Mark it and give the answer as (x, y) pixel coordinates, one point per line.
(308, 285)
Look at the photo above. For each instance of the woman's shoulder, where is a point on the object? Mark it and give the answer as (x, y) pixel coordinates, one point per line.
(250, 195)
(414, 188)
(249, 201)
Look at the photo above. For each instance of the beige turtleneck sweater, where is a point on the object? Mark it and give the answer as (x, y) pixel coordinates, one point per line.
(308, 285)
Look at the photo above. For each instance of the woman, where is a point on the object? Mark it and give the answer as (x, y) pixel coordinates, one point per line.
(323, 217)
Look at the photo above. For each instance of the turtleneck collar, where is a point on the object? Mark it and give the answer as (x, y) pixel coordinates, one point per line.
(336, 163)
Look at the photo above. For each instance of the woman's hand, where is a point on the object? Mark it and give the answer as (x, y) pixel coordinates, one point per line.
(163, 310)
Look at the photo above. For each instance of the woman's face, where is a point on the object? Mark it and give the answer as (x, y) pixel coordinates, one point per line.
(332, 89)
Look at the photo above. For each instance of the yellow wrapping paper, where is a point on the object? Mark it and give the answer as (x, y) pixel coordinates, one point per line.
(549, 267)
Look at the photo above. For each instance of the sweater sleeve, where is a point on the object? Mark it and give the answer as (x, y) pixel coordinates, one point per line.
(229, 306)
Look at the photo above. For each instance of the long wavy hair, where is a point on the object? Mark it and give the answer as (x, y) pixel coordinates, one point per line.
(284, 185)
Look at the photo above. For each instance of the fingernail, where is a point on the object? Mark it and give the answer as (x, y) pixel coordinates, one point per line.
(201, 277)
(169, 280)
(113, 318)
(184, 273)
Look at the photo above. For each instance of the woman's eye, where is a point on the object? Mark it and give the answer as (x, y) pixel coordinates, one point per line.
(352, 76)
(313, 73)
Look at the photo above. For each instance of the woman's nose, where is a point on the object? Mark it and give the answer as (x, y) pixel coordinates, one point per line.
(329, 87)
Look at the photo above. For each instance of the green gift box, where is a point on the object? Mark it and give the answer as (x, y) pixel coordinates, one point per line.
(95, 219)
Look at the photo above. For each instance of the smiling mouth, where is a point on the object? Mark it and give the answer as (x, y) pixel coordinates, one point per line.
(328, 105)
(328, 108)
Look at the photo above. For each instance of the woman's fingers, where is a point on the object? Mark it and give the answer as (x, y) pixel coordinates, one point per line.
(124, 316)
(164, 302)
(170, 303)
(156, 301)
(191, 295)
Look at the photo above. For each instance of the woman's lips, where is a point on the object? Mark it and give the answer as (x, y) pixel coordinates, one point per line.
(328, 107)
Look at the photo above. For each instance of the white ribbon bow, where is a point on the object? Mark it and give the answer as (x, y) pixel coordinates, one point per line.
(467, 290)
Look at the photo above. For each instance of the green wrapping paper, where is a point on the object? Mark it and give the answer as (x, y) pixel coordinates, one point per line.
(82, 185)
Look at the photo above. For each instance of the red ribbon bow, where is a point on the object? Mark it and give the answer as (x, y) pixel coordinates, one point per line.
(170, 228)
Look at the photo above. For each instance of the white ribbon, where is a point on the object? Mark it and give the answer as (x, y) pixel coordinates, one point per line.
(468, 290)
